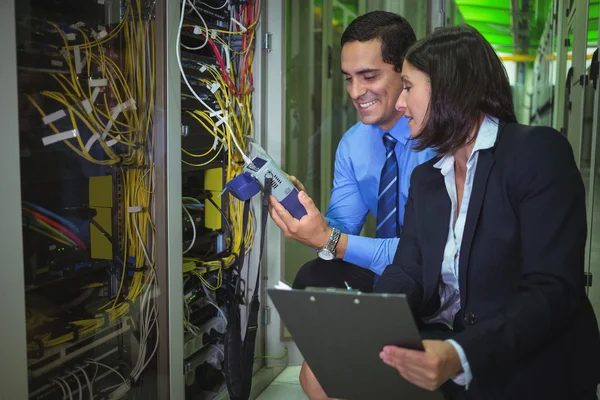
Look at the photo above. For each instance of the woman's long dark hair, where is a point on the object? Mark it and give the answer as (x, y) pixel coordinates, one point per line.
(467, 80)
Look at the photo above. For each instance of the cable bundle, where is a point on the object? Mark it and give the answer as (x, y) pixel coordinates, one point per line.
(231, 85)
(51, 225)
(108, 92)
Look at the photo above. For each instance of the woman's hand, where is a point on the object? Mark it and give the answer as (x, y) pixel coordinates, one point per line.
(428, 369)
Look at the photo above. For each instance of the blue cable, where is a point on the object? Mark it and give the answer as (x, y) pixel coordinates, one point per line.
(48, 213)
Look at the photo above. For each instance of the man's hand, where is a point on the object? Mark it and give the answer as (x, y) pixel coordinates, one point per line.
(428, 369)
(297, 183)
(312, 230)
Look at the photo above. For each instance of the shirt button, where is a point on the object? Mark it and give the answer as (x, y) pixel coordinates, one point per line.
(470, 318)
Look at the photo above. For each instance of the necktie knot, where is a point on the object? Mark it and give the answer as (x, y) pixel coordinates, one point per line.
(389, 142)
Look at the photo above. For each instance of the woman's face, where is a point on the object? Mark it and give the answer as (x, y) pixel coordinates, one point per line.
(414, 99)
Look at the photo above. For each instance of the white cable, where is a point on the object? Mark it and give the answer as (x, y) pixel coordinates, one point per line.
(214, 304)
(107, 367)
(95, 373)
(89, 383)
(61, 388)
(68, 388)
(154, 323)
(78, 384)
(247, 160)
(203, 22)
(216, 8)
(193, 229)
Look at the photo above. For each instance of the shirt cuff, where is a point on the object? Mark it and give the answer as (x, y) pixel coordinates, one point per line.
(465, 377)
(358, 251)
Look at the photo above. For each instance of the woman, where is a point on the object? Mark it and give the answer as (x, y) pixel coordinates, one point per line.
(492, 248)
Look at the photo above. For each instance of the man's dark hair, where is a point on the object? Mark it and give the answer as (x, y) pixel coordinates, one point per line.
(394, 32)
(467, 80)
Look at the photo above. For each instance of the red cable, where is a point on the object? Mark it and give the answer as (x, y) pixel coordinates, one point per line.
(56, 225)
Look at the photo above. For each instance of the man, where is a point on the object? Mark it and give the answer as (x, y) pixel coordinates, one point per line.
(373, 164)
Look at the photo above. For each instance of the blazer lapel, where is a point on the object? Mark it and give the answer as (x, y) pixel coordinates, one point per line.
(437, 232)
(484, 166)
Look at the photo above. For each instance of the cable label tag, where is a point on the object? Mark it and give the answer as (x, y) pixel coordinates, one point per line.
(48, 119)
(98, 82)
(59, 137)
(95, 94)
(114, 141)
(91, 141)
(77, 55)
(214, 87)
(87, 106)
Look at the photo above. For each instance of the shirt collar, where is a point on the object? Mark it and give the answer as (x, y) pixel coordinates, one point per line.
(400, 131)
(486, 138)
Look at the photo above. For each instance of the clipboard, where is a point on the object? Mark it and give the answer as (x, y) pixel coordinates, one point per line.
(340, 333)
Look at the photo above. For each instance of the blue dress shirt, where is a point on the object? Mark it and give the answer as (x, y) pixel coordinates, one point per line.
(358, 162)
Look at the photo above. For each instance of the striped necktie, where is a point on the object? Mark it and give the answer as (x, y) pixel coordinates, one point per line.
(387, 201)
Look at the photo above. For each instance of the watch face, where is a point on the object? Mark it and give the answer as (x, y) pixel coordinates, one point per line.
(325, 254)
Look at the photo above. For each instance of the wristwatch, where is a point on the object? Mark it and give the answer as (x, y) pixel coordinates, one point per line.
(327, 252)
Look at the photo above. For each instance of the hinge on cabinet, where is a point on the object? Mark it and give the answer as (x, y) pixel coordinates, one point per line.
(587, 279)
(267, 41)
(266, 315)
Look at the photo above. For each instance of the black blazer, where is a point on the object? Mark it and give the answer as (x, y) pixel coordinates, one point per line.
(529, 330)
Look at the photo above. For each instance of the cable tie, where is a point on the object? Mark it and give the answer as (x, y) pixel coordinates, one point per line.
(215, 143)
(102, 34)
(131, 306)
(98, 82)
(75, 329)
(94, 34)
(39, 353)
(134, 209)
(143, 268)
(71, 36)
(78, 25)
(106, 317)
(101, 28)
(215, 113)
(203, 68)
(48, 119)
(59, 137)
(213, 33)
(129, 104)
(222, 119)
(197, 30)
(56, 63)
(214, 87)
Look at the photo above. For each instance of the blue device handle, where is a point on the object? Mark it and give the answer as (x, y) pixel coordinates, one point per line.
(293, 205)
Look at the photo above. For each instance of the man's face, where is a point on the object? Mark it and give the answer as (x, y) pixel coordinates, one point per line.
(372, 84)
